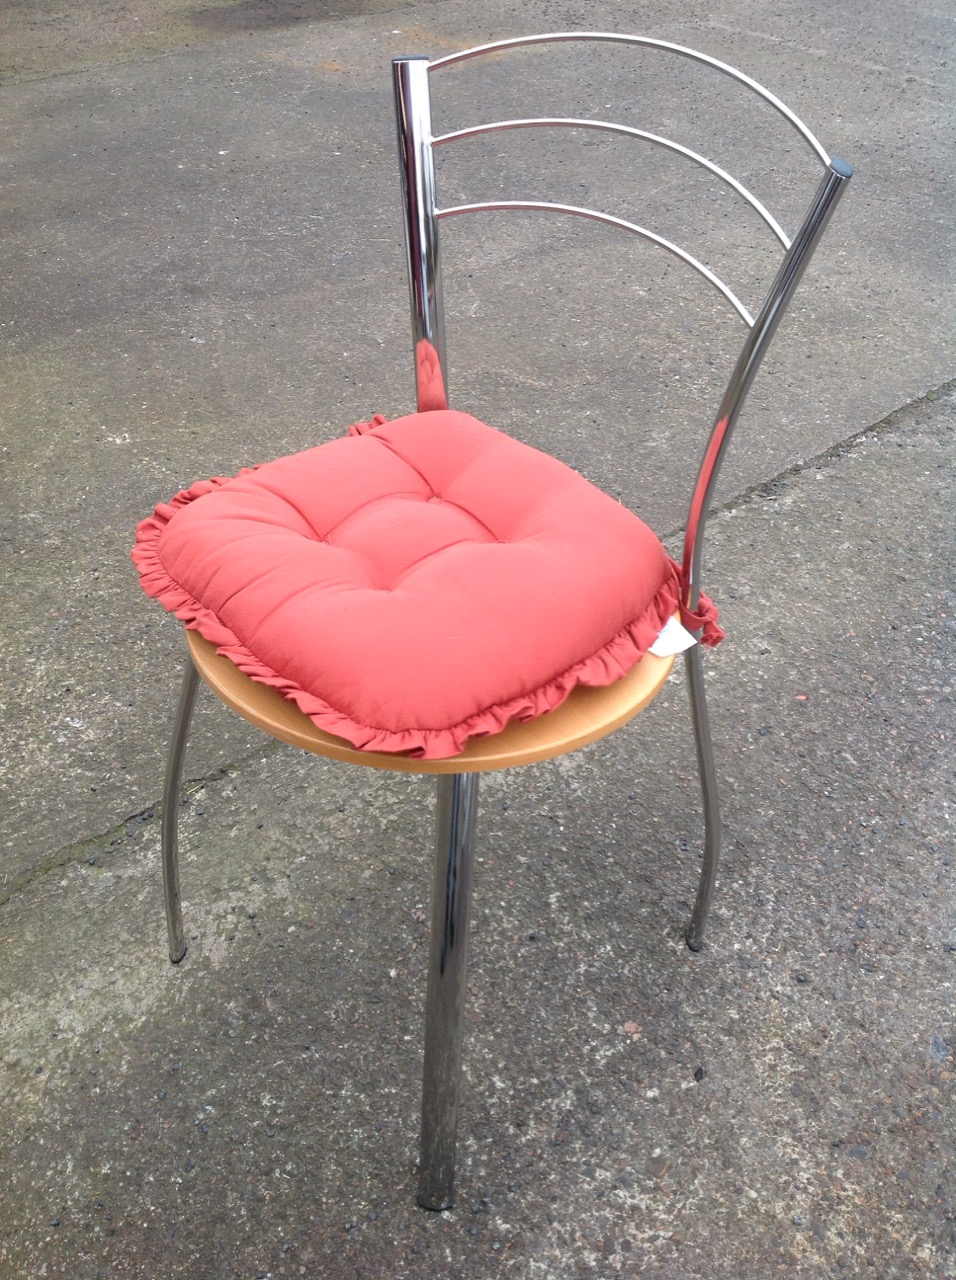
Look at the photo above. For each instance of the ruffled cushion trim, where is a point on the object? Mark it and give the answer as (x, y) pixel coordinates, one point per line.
(609, 663)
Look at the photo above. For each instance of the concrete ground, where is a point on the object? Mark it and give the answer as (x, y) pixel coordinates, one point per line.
(202, 270)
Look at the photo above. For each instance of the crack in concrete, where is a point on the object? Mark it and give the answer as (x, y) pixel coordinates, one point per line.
(90, 848)
(900, 417)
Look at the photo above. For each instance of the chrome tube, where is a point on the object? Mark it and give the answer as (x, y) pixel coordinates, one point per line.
(169, 824)
(445, 1003)
(709, 794)
(417, 168)
(609, 37)
(594, 215)
(748, 363)
(606, 126)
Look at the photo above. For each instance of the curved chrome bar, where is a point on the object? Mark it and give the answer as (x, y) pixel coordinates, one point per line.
(595, 216)
(169, 824)
(500, 126)
(709, 794)
(745, 370)
(682, 51)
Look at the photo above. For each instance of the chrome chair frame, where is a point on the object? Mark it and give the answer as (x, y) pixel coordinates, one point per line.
(458, 792)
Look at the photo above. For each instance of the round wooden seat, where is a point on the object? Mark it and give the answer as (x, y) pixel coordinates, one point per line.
(587, 715)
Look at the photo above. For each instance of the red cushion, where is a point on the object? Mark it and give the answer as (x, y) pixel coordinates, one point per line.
(415, 583)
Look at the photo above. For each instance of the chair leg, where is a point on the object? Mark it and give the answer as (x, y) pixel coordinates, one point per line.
(708, 786)
(445, 1003)
(170, 817)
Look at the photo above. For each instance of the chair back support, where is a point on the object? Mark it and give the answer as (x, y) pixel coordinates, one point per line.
(417, 145)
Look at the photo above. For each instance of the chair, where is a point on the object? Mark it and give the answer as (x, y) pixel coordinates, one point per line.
(583, 705)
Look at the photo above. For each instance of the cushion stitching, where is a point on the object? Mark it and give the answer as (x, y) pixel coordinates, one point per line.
(400, 578)
(372, 502)
(388, 444)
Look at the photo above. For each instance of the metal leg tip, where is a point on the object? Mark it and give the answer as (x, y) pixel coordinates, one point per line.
(435, 1204)
(694, 940)
(176, 956)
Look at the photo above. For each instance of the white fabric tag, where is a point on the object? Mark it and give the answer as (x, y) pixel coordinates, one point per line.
(674, 638)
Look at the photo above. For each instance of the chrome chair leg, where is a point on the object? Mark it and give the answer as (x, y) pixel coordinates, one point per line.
(445, 1003)
(708, 786)
(169, 838)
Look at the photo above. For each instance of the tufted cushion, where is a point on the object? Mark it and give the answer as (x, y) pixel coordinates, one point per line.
(415, 583)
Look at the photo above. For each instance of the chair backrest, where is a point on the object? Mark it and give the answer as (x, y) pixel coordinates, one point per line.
(423, 213)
